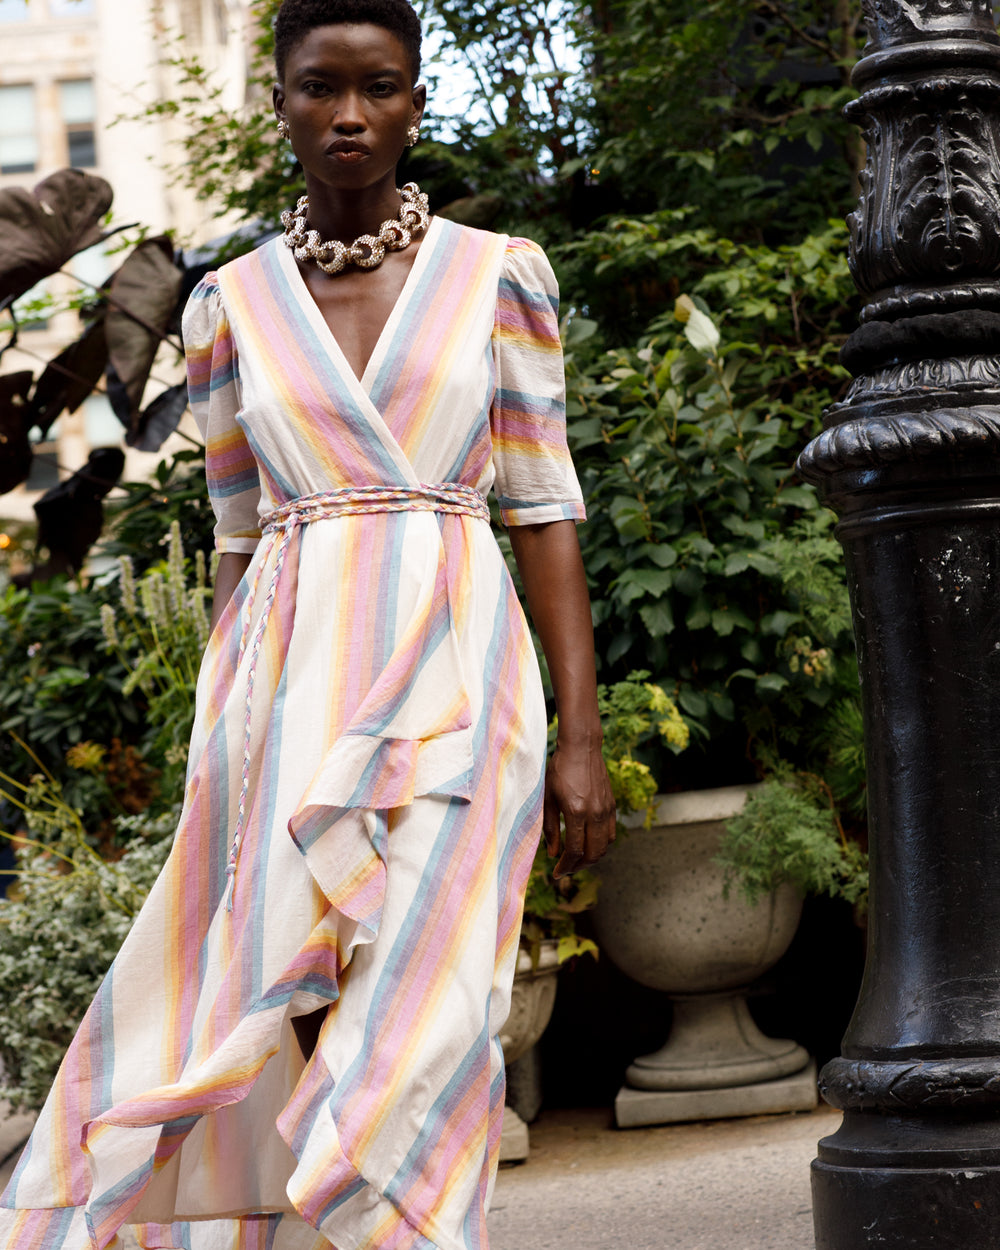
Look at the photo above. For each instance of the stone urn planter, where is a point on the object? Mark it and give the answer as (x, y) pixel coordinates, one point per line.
(662, 919)
(532, 1000)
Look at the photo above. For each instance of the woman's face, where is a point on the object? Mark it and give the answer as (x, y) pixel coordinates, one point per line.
(349, 99)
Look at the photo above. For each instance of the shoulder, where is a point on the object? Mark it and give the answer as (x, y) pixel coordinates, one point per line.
(251, 259)
(525, 265)
(207, 287)
(515, 249)
(453, 237)
(527, 308)
(524, 248)
(202, 312)
(205, 313)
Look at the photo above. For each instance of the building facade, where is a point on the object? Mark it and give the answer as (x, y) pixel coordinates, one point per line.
(74, 77)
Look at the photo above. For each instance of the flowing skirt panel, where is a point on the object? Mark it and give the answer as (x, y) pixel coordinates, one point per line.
(391, 787)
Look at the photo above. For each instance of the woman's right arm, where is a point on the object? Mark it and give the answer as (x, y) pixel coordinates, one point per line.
(230, 468)
(232, 566)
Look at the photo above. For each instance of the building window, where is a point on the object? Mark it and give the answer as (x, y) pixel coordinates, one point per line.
(76, 102)
(18, 140)
(221, 23)
(13, 10)
(70, 8)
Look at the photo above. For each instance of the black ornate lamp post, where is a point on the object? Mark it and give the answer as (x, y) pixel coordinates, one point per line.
(911, 462)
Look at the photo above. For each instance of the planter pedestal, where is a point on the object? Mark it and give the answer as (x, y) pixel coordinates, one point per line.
(714, 1044)
(662, 919)
(532, 998)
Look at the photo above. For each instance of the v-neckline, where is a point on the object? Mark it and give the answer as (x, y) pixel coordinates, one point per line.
(322, 327)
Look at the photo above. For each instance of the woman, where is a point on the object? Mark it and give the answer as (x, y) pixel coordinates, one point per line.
(296, 1046)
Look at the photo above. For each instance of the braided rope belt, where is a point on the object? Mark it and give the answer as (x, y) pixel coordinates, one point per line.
(447, 497)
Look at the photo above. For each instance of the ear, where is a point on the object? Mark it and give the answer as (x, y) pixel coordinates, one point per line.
(278, 99)
(419, 104)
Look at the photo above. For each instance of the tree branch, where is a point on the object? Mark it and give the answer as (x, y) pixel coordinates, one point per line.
(778, 11)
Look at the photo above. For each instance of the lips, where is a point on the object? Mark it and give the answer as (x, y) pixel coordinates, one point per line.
(348, 149)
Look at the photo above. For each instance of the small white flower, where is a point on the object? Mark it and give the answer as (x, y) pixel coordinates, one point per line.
(127, 584)
(699, 328)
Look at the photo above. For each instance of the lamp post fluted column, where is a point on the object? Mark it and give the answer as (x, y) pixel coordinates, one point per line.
(911, 463)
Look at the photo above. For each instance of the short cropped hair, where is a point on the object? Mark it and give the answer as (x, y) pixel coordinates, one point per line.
(296, 18)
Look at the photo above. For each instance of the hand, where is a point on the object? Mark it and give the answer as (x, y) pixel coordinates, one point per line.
(578, 789)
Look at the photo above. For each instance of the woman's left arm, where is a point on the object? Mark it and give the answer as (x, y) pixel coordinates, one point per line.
(576, 781)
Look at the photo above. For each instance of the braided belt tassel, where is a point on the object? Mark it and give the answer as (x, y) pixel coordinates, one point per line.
(286, 535)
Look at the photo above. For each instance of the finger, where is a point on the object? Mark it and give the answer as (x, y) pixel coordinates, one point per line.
(602, 827)
(600, 835)
(574, 845)
(550, 826)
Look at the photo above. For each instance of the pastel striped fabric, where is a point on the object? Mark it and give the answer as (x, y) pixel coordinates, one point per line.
(393, 801)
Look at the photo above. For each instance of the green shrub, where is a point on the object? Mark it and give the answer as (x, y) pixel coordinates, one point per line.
(788, 832)
(58, 686)
(84, 865)
(707, 560)
(175, 491)
(158, 631)
(61, 925)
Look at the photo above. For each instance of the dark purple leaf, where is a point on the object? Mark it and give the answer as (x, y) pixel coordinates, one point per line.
(70, 377)
(142, 296)
(118, 396)
(159, 420)
(41, 229)
(70, 515)
(15, 449)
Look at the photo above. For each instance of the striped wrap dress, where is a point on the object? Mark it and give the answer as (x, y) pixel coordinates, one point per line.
(363, 796)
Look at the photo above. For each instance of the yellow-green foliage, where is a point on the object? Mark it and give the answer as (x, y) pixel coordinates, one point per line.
(550, 909)
(631, 712)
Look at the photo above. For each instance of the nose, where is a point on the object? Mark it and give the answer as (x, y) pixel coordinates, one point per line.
(348, 117)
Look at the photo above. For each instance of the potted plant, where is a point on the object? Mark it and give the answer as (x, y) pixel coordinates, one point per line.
(719, 570)
(548, 939)
(670, 918)
(549, 934)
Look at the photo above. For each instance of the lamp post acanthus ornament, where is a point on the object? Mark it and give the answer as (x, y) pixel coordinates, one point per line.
(911, 462)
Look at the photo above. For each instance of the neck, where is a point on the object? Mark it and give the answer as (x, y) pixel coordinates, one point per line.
(346, 215)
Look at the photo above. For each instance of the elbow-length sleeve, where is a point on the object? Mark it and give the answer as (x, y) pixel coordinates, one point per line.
(535, 479)
(214, 395)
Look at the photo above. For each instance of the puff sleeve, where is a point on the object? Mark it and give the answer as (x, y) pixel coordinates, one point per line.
(535, 479)
(214, 395)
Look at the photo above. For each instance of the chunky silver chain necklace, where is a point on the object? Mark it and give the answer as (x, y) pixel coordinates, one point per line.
(367, 250)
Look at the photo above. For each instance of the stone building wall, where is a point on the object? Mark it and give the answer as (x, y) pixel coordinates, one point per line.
(69, 71)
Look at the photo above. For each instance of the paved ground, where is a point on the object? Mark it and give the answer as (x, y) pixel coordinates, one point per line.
(722, 1185)
(13, 1131)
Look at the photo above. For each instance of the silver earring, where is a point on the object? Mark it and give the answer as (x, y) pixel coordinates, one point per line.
(283, 130)
(412, 135)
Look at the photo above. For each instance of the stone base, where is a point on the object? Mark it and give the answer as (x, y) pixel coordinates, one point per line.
(635, 1107)
(524, 1085)
(513, 1138)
